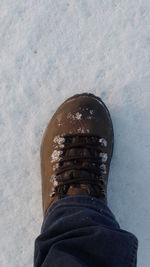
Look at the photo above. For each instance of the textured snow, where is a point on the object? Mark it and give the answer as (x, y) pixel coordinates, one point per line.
(50, 50)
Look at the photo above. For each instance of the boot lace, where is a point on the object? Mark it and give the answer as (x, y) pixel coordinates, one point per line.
(79, 160)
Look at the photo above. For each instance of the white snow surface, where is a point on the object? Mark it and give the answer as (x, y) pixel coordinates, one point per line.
(50, 50)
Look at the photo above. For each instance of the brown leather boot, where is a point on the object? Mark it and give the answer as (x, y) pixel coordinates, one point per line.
(76, 150)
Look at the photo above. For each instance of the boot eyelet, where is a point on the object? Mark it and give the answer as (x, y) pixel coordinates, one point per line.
(52, 193)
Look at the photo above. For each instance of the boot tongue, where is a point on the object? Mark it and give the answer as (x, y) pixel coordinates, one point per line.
(78, 152)
(81, 189)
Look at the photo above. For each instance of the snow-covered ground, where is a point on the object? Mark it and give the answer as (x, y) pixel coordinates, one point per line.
(50, 50)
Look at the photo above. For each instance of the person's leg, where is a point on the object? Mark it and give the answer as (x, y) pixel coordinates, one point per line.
(78, 227)
(82, 231)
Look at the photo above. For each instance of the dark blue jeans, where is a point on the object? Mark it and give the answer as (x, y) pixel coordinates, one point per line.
(82, 231)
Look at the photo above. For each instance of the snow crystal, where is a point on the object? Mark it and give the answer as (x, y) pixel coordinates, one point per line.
(103, 142)
(53, 178)
(56, 155)
(59, 124)
(81, 130)
(103, 157)
(103, 168)
(59, 140)
(55, 183)
(78, 116)
(55, 167)
(89, 117)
